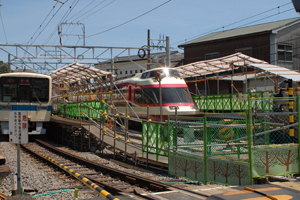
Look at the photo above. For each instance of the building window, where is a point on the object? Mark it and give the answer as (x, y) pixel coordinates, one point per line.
(246, 51)
(125, 72)
(120, 72)
(141, 71)
(135, 71)
(211, 56)
(285, 52)
(130, 71)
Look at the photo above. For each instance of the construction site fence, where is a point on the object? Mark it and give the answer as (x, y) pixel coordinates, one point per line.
(229, 102)
(236, 148)
(74, 109)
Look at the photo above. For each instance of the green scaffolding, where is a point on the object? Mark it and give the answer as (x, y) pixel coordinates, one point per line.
(73, 109)
(230, 102)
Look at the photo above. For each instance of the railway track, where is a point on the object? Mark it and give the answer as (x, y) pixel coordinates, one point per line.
(108, 179)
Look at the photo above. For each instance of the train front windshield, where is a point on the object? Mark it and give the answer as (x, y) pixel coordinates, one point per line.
(169, 95)
(24, 89)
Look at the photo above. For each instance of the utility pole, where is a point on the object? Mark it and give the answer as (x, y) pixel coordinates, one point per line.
(168, 51)
(160, 45)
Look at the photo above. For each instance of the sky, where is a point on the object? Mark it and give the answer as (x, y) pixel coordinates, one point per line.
(124, 23)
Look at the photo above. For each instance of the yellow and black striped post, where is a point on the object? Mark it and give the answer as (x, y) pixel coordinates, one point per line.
(291, 109)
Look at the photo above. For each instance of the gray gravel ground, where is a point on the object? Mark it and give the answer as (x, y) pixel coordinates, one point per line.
(36, 176)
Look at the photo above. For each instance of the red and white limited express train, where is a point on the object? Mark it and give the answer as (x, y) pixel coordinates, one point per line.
(143, 90)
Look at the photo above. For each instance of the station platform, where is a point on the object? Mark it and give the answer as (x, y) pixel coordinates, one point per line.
(67, 122)
(131, 149)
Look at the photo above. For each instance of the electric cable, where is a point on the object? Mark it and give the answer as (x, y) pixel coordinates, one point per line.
(81, 10)
(47, 24)
(43, 22)
(63, 18)
(129, 20)
(233, 23)
(97, 10)
(3, 28)
(88, 10)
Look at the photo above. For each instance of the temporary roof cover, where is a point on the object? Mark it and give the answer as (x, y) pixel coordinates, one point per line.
(234, 61)
(76, 72)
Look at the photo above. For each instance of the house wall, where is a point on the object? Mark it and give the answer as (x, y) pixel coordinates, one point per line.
(290, 35)
(260, 44)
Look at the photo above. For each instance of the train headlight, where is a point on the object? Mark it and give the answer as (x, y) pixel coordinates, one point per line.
(173, 107)
(194, 107)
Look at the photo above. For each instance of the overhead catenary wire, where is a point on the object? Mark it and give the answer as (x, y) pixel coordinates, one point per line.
(221, 28)
(78, 18)
(98, 10)
(81, 10)
(129, 20)
(3, 25)
(47, 24)
(75, 2)
(45, 20)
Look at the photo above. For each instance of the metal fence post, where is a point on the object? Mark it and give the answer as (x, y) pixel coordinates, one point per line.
(103, 125)
(205, 150)
(115, 119)
(126, 128)
(157, 132)
(147, 143)
(169, 138)
(249, 129)
(298, 117)
(176, 127)
(89, 130)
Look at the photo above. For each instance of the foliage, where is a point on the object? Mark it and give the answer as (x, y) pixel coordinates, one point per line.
(3, 67)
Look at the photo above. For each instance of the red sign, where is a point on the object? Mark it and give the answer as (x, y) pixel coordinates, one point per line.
(24, 118)
(24, 125)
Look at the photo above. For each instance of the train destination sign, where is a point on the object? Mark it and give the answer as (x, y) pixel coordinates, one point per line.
(18, 127)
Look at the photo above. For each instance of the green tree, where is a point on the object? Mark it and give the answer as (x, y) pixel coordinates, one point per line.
(3, 67)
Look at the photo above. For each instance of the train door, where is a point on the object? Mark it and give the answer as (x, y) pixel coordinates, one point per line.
(24, 93)
(129, 92)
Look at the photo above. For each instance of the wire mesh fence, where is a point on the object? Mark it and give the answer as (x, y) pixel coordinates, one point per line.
(187, 135)
(223, 136)
(276, 125)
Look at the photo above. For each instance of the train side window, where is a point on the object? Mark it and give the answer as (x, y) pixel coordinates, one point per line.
(138, 96)
(144, 75)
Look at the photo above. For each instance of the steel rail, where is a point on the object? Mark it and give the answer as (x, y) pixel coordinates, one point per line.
(128, 177)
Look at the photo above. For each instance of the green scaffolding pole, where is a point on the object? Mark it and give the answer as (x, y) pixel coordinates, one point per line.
(205, 150)
(298, 110)
(249, 130)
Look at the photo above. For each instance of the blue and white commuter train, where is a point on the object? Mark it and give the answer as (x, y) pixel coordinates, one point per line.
(26, 91)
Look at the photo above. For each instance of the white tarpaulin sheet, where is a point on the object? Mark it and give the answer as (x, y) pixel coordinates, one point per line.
(279, 71)
(76, 72)
(234, 61)
(217, 65)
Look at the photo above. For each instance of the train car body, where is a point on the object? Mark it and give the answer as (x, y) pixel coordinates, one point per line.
(143, 90)
(26, 91)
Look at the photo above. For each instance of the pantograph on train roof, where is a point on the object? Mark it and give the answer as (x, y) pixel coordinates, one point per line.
(76, 72)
